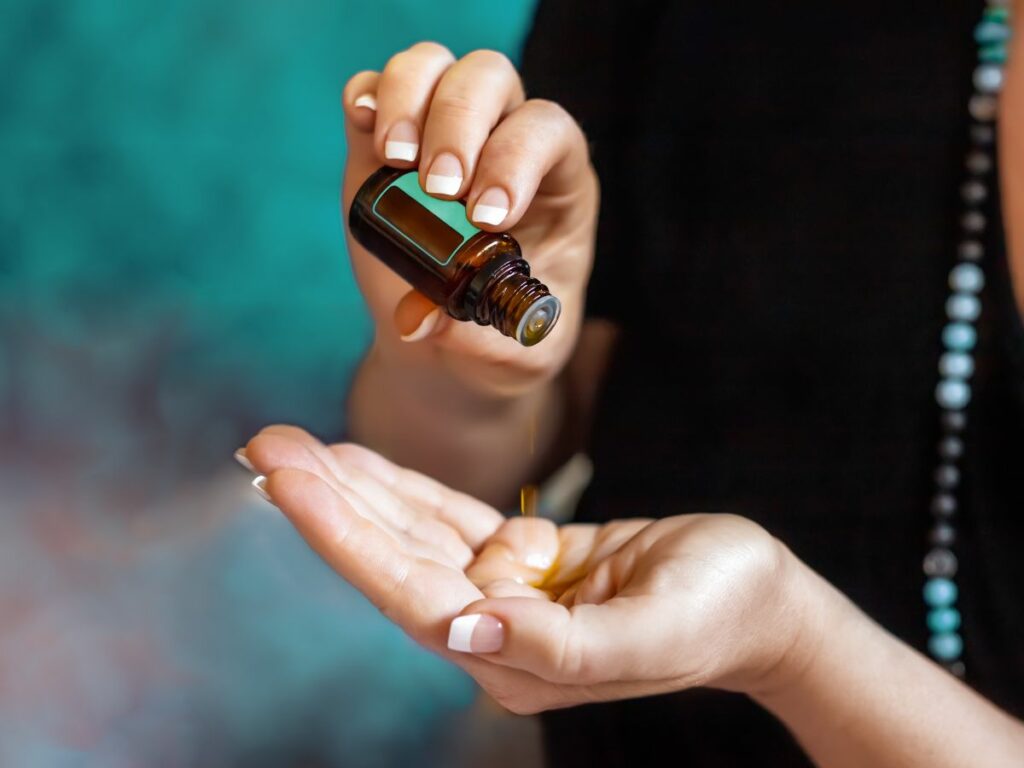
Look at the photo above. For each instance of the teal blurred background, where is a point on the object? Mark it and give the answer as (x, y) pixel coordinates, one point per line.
(172, 277)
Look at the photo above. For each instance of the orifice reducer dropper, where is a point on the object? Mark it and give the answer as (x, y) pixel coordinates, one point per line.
(471, 274)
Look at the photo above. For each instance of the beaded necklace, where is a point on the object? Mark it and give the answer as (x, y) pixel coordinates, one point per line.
(959, 337)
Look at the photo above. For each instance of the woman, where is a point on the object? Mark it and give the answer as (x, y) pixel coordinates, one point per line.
(779, 215)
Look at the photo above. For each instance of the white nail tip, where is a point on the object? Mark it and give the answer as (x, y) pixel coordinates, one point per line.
(400, 150)
(259, 483)
(242, 459)
(461, 632)
(425, 327)
(538, 560)
(443, 185)
(489, 214)
(366, 100)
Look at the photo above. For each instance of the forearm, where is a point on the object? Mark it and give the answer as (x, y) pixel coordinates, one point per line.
(861, 697)
(416, 413)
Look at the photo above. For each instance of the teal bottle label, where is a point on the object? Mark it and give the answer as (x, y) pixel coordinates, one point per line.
(436, 228)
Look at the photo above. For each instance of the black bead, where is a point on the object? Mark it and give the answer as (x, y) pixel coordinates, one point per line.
(971, 250)
(943, 505)
(973, 222)
(973, 193)
(978, 162)
(957, 669)
(954, 421)
(942, 535)
(940, 562)
(983, 135)
(947, 476)
(951, 447)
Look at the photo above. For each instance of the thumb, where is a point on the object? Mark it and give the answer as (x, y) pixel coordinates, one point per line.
(585, 644)
(416, 316)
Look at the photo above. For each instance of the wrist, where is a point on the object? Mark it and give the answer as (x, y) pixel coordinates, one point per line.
(808, 609)
(830, 629)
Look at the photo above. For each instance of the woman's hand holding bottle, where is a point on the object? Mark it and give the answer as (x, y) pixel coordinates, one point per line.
(521, 165)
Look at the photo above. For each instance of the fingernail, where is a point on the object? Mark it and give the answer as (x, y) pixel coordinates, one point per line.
(476, 633)
(242, 459)
(260, 484)
(402, 142)
(491, 207)
(366, 100)
(445, 175)
(426, 325)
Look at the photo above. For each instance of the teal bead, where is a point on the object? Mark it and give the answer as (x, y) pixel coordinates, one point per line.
(965, 307)
(988, 32)
(966, 278)
(940, 592)
(959, 337)
(993, 54)
(946, 646)
(952, 394)
(942, 620)
(956, 365)
(997, 15)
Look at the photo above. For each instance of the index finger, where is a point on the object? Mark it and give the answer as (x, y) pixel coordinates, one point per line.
(419, 595)
(471, 518)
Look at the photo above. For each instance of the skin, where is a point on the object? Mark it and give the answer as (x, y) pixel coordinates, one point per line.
(628, 609)
(631, 608)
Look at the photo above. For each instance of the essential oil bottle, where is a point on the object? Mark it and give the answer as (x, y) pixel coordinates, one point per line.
(473, 275)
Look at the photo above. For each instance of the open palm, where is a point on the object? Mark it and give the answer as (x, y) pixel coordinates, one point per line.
(590, 612)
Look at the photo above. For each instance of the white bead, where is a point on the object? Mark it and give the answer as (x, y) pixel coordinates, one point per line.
(956, 365)
(966, 278)
(963, 306)
(988, 78)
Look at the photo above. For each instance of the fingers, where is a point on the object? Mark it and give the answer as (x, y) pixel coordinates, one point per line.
(403, 98)
(468, 128)
(417, 317)
(470, 99)
(537, 143)
(416, 594)
(523, 550)
(284, 446)
(359, 101)
(512, 588)
(472, 519)
(623, 639)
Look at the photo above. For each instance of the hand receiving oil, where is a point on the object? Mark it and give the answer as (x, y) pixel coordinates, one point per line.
(545, 617)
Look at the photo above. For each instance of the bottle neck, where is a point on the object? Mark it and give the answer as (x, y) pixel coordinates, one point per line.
(518, 305)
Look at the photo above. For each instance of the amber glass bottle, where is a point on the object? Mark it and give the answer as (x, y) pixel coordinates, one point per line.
(473, 275)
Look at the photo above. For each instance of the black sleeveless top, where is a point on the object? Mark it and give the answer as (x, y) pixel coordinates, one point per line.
(779, 217)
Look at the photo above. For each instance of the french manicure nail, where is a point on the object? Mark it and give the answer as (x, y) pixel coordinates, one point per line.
(366, 100)
(476, 633)
(402, 142)
(445, 175)
(427, 324)
(491, 207)
(242, 459)
(260, 484)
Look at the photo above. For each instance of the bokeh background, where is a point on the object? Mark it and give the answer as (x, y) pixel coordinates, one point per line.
(173, 276)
